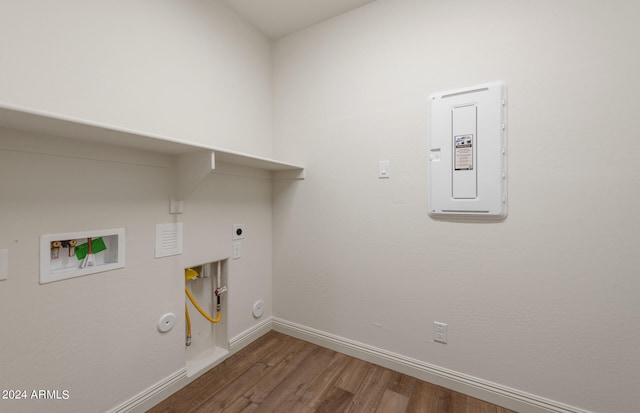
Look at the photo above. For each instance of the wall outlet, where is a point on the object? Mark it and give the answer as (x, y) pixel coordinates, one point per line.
(439, 332)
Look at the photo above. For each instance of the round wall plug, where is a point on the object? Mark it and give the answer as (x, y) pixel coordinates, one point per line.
(258, 309)
(166, 322)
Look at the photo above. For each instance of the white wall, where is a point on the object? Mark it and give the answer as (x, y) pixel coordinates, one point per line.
(187, 69)
(192, 70)
(234, 196)
(544, 302)
(96, 335)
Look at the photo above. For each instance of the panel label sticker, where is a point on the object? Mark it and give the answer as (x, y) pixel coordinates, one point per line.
(463, 153)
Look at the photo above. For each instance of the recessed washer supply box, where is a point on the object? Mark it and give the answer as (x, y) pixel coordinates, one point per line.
(74, 254)
(468, 153)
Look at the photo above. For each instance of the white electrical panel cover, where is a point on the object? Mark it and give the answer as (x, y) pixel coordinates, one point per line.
(468, 152)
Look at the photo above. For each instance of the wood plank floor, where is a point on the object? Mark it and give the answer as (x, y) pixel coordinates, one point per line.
(279, 373)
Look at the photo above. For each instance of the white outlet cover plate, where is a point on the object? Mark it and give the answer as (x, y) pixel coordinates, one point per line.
(440, 332)
(258, 309)
(383, 169)
(166, 322)
(235, 254)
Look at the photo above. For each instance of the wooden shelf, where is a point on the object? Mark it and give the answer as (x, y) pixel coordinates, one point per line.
(193, 161)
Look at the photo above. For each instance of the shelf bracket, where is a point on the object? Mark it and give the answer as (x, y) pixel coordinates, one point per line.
(190, 169)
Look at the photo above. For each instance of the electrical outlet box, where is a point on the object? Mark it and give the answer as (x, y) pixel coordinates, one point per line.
(440, 332)
(75, 254)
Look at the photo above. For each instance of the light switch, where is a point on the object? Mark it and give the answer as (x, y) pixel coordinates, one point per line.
(383, 169)
(236, 251)
(4, 264)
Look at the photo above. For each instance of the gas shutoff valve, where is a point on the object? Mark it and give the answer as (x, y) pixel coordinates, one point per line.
(220, 290)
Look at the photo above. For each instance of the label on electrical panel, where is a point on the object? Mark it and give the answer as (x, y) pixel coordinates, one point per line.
(463, 154)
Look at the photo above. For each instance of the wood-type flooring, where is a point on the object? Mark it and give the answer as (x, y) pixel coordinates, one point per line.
(279, 373)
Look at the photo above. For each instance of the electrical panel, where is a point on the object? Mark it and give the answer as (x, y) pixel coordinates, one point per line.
(468, 153)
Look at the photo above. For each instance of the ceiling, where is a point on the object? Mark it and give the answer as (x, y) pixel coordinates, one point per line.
(277, 18)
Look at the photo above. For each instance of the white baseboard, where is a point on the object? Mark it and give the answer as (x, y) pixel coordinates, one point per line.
(166, 387)
(500, 395)
(504, 396)
(250, 335)
(154, 394)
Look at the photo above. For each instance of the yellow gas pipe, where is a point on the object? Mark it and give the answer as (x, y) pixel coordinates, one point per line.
(205, 315)
(186, 313)
(190, 274)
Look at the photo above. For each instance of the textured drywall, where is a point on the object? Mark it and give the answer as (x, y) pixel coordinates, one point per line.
(192, 70)
(545, 301)
(96, 336)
